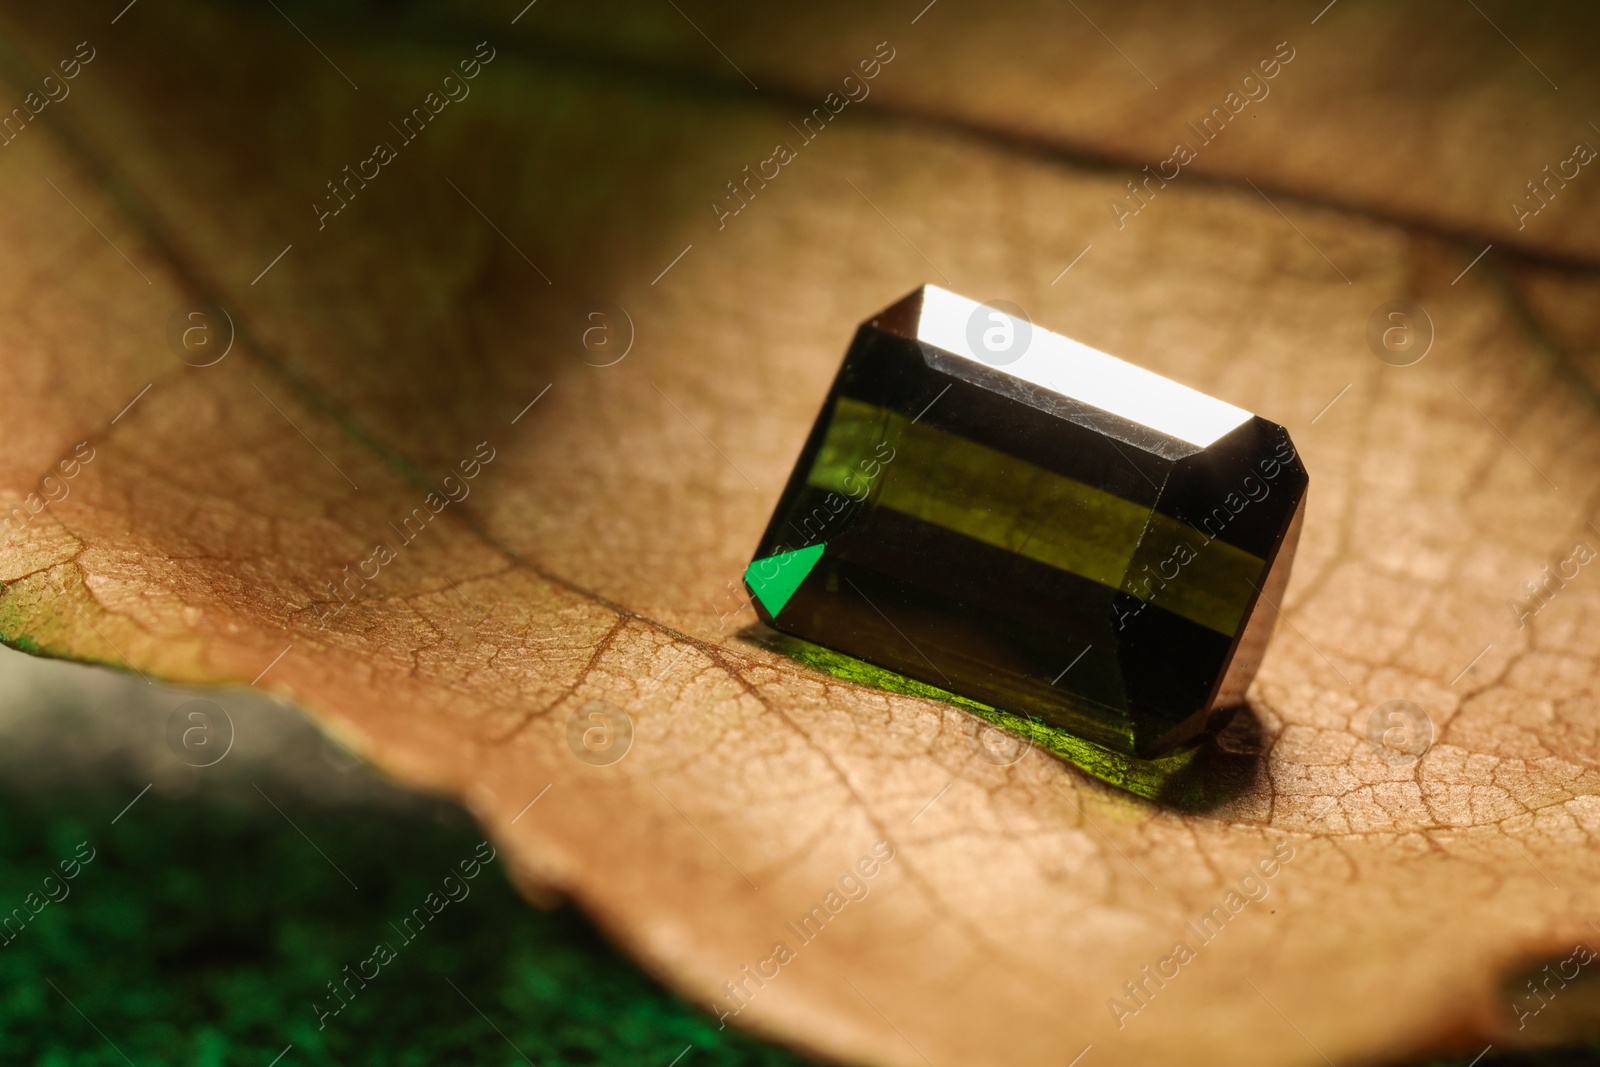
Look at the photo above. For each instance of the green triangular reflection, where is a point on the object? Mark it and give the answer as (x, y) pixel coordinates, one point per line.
(775, 578)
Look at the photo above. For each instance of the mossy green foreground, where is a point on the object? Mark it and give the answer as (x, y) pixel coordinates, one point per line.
(202, 932)
(201, 928)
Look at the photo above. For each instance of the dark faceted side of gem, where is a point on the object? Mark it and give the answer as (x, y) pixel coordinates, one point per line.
(951, 523)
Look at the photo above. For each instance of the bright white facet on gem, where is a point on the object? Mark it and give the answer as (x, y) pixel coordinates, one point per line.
(1081, 373)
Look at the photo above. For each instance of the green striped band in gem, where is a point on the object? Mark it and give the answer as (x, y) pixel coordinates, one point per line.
(943, 479)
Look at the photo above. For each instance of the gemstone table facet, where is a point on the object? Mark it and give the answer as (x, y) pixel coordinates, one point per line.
(1025, 521)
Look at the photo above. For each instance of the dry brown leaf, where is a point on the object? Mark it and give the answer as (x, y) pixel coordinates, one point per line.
(592, 557)
(1436, 113)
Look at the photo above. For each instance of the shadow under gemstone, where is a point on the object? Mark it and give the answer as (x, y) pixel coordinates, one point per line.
(1222, 764)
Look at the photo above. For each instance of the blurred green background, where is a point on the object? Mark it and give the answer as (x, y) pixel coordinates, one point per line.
(207, 924)
(209, 921)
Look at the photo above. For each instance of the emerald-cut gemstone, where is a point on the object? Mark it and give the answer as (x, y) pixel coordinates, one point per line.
(1019, 519)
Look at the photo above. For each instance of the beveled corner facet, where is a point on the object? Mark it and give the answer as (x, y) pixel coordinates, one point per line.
(1044, 528)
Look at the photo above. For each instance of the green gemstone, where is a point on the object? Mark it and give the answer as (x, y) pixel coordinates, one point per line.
(1018, 519)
